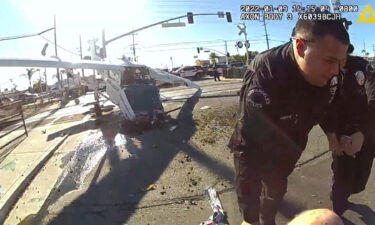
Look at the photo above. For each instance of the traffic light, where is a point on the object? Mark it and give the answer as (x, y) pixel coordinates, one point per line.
(190, 17)
(102, 53)
(198, 50)
(229, 17)
(228, 55)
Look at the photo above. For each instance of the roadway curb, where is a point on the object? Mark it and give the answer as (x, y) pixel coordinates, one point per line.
(6, 208)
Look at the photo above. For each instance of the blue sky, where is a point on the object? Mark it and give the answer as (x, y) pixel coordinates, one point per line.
(155, 46)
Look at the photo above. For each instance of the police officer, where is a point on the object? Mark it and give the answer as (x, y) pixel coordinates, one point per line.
(216, 73)
(352, 140)
(285, 93)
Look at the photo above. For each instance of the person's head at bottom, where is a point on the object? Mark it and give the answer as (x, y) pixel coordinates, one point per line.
(317, 217)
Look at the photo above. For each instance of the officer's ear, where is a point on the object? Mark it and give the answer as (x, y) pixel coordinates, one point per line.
(301, 46)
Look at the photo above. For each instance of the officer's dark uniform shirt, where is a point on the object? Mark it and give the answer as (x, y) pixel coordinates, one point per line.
(278, 107)
(355, 113)
(357, 98)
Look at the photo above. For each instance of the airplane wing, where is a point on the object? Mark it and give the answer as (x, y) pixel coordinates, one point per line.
(170, 78)
(55, 63)
(97, 65)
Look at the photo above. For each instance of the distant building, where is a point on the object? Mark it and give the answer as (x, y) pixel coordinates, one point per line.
(201, 62)
(218, 60)
(221, 59)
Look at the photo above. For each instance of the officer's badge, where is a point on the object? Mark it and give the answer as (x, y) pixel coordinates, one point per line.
(334, 81)
(258, 98)
(333, 88)
(360, 76)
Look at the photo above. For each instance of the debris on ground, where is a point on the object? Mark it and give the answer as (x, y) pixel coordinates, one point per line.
(172, 128)
(187, 158)
(195, 181)
(218, 217)
(205, 107)
(215, 123)
(151, 187)
(192, 202)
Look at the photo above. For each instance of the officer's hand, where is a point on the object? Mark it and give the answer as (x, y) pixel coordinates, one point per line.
(355, 146)
(334, 144)
(345, 143)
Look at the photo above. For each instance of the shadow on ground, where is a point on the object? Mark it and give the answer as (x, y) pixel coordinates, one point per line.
(115, 198)
(366, 214)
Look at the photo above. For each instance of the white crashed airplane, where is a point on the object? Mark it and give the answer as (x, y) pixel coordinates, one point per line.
(130, 86)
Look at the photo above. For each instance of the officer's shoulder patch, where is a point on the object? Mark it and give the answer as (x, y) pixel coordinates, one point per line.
(257, 98)
(360, 76)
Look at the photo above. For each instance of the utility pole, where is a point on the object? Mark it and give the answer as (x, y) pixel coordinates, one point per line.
(373, 49)
(335, 4)
(103, 51)
(226, 52)
(45, 78)
(172, 62)
(265, 30)
(135, 58)
(364, 49)
(80, 53)
(57, 69)
(40, 82)
(364, 46)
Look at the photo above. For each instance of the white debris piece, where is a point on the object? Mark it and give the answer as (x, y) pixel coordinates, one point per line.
(205, 107)
(218, 217)
(172, 128)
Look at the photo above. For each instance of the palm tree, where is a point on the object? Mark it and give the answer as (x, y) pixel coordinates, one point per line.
(14, 85)
(29, 74)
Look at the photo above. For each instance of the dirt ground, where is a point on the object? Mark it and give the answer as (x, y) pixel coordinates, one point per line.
(157, 177)
(204, 162)
(160, 176)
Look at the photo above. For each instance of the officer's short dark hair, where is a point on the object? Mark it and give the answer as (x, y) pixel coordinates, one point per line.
(315, 29)
(350, 49)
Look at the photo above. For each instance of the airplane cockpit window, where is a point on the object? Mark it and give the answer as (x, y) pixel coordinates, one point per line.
(136, 75)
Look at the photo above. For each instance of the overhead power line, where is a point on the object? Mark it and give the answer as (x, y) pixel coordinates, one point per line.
(25, 36)
(194, 43)
(38, 34)
(186, 48)
(278, 41)
(62, 48)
